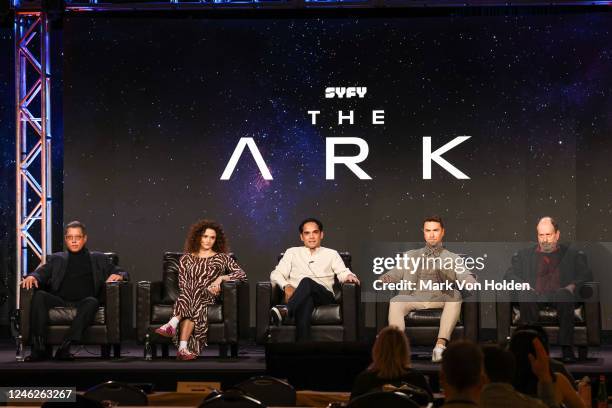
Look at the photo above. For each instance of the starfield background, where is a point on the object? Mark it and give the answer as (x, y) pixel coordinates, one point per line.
(153, 109)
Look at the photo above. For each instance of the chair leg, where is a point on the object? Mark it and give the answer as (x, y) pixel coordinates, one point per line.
(105, 351)
(117, 350)
(223, 350)
(234, 350)
(165, 352)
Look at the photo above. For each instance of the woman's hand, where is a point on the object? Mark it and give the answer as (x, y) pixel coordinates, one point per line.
(540, 363)
(215, 287)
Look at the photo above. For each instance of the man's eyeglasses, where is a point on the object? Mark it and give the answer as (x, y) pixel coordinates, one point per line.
(74, 237)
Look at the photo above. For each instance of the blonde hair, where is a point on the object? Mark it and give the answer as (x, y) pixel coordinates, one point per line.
(390, 354)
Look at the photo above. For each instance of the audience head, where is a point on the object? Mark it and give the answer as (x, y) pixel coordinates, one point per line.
(206, 234)
(75, 236)
(538, 329)
(499, 364)
(521, 345)
(390, 354)
(461, 371)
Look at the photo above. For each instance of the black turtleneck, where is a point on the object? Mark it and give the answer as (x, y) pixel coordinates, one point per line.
(78, 281)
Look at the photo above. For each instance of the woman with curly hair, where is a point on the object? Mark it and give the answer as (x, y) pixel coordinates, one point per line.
(202, 269)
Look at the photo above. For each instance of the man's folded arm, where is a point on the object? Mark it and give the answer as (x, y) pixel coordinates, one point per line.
(112, 269)
(582, 272)
(339, 268)
(394, 275)
(43, 273)
(280, 274)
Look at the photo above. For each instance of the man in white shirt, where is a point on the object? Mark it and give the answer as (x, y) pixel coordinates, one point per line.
(306, 275)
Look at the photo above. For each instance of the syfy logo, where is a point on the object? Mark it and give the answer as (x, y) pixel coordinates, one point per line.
(345, 92)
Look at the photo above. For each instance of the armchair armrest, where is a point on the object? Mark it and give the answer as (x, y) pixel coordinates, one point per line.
(382, 310)
(126, 299)
(263, 299)
(503, 311)
(147, 294)
(471, 319)
(351, 303)
(229, 289)
(278, 296)
(25, 303)
(244, 315)
(112, 310)
(589, 293)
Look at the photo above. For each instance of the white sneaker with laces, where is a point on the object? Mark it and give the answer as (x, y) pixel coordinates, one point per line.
(436, 356)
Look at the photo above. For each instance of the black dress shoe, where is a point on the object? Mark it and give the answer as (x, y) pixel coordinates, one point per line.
(63, 353)
(39, 350)
(278, 314)
(568, 356)
(37, 355)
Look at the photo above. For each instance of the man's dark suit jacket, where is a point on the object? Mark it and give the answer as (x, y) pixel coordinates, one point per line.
(573, 267)
(51, 274)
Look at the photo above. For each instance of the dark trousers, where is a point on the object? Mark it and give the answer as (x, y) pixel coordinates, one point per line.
(306, 297)
(562, 300)
(43, 301)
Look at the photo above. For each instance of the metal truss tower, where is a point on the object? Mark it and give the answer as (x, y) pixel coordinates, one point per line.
(33, 141)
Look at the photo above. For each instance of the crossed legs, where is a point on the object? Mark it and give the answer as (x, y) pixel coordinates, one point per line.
(185, 329)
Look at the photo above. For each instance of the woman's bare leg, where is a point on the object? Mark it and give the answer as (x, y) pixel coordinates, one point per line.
(187, 326)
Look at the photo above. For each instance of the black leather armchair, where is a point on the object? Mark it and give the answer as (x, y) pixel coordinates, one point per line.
(336, 322)
(228, 320)
(587, 317)
(422, 325)
(112, 318)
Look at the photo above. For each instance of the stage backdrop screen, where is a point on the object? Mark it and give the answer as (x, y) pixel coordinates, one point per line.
(368, 124)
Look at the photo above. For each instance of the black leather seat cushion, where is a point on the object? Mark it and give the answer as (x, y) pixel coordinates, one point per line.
(65, 315)
(163, 313)
(327, 314)
(426, 318)
(548, 315)
(322, 315)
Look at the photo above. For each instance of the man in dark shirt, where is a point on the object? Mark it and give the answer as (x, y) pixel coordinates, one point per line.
(462, 375)
(553, 272)
(73, 278)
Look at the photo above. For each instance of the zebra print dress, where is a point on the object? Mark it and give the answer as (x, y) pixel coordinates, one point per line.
(195, 276)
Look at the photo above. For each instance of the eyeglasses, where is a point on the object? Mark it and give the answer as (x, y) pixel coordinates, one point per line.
(74, 237)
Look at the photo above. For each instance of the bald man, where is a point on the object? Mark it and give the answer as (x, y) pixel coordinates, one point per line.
(553, 272)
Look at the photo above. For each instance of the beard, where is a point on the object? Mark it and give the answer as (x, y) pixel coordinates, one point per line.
(548, 247)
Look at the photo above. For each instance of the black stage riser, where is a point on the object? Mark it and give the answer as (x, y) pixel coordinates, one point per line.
(82, 380)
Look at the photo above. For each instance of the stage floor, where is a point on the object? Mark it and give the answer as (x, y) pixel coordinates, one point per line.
(89, 369)
(317, 368)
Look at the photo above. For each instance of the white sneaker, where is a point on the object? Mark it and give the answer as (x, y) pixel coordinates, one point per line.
(436, 356)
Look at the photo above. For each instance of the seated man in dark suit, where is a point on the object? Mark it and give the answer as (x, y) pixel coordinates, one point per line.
(553, 272)
(72, 278)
